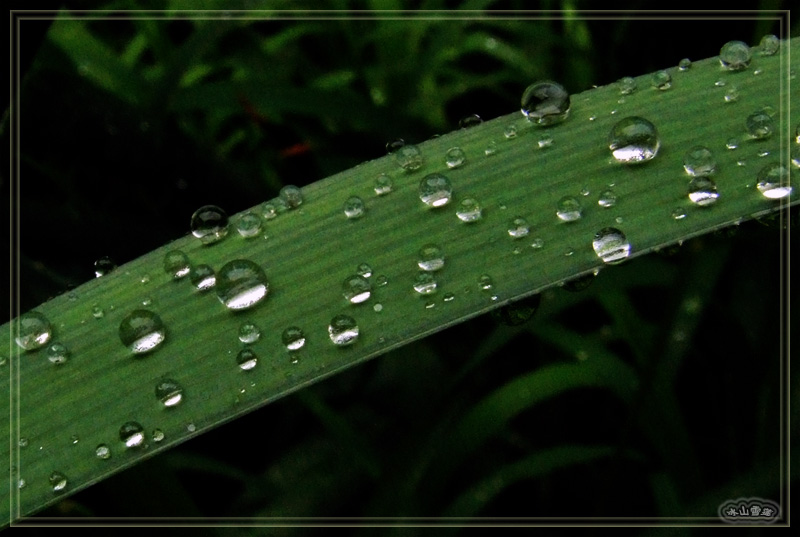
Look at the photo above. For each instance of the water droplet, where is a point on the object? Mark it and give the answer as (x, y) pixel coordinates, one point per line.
(23, 442)
(510, 131)
(762, 153)
(741, 162)
(568, 209)
(580, 283)
(202, 277)
(469, 210)
(448, 297)
(773, 182)
(363, 269)
(545, 103)
(191, 427)
(103, 452)
(409, 157)
(103, 266)
(678, 213)
(611, 245)
(699, 161)
(343, 330)
(518, 312)
(356, 289)
(158, 435)
(33, 331)
(97, 312)
(470, 121)
(394, 145)
(292, 196)
(246, 359)
(795, 156)
(769, 45)
(169, 392)
(21, 483)
(354, 207)
(381, 280)
(435, 190)
(719, 83)
(760, 125)
(383, 185)
(57, 353)
(454, 157)
(732, 143)
(518, 228)
(248, 225)
(485, 282)
(545, 141)
(141, 331)
(537, 243)
(249, 333)
(131, 434)
(685, 64)
(627, 85)
(268, 210)
(430, 304)
(702, 191)
(377, 308)
(661, 80)
(145, 279)
(209, 224)
(633, 140)
(490, 149)
(430, 258)
(293, 338)
(176, 264)
(731, 94)
(425, 283)
(607, 199)
(241, 284)
(58, 481)
(735, 55)
(797, 134)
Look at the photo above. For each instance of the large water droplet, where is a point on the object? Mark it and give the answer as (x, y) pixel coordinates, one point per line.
(292, 196)
(425, 283)
(611, 245)
(356, 289)
(633, 140)
(246, 359)
(141, 331)
(435, 190)
(343, 330)
(209, 224)
(169, 392)
(409, 157)
(735, 55)
(626, 85)
(760, 124)
(699, 161)
(518, 228)
(33, 331)
(241, 284)
(176, 264)
(354, 207)
(545, 103)
(569, 209)
(131, 434)
(293, 338)
(769, 45)
(454, 157)
(202, 277)
(773, 182)
(248, 225)
(469, 210)
(249, 333)
(383, 184)
(58, 481)
(57, 353)
(430, 258)
(703, 191)
(103, 266)
(661, 80)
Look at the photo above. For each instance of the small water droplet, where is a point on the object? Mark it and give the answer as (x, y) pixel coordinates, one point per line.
(247, 359)
(176, 264)
(760, 124)
(627, 85)
(490, 149)
(485, 282)
(202, 277)
(74, 439)
(430, 304)
(291, 196)
(732, 143)
(158, 435)
(545, 141)
(248, 225)
(409, 157)
(241, 284)
(249, 333)
(191, 427)
(169, 392)
(425, 283)
(469, 210)
(131, 434)
(518, 312)
(209, 224)
(97, 312)
(102, 452)
(731, 94)
(611, 245)
(607, 199)
(699, 161)
(518, 228)
(354, 207)
(383, 185)
(33, 331)
(343, 330)
(435, 190)
(448, 297)
(633, 140)
(394, 145)
(702, 191)
(795, 156)
(678, 213)
(23, 442)
(470, 121)
(21, 483)
(510, 131)
(741, 162)
(381, 280)
(545, 103)
(661, 80)
(580, 283)
(568, 209)
(454, 157)
(377, 308)
(797, 134)
(293, 338)
(719, 83)
(364, 269)
(537, 243)
(57, 353)
(430, 258)
(735, 55)
(762, 153)
(773, 181)
(356, 289)
(103, 266)
(769, 45)
(58, 481)
(685, 64)
(268, 210)
(141, 331)
(145, 279)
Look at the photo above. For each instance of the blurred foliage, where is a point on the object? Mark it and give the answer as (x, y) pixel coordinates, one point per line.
(129, 124)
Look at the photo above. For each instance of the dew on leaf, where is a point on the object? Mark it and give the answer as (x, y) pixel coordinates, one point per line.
(57, 353)
(568, 209)
(469, 210)
(435, 190)
(773, 181)
(703, 191)
(249, 333)
(293, 338)
(409, 158)
(626, 85)
(202, 277)
(470, 121)
(356, 289)
(169, 392)
(103, 452)
(685, 64)
(661, 80)
(241, 284)
(518, 312)
(699, 161)
(131, 434)
(176, 264)
(343, 330)
(209, 224)
(454, 157)
(425, 283)
(430, 258)
(58, 481)
(383, 185)
(760, 124)
(103, 266)
(769, 45)
(354, 207)
(545, 103)
(141, 331)
(611, 245)
(247, 359)
(32, 331)
(518, 228)
(633, 140)
(607, 199)
(291, 196)
(364, 269)
(735, 55)
(248, 225)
